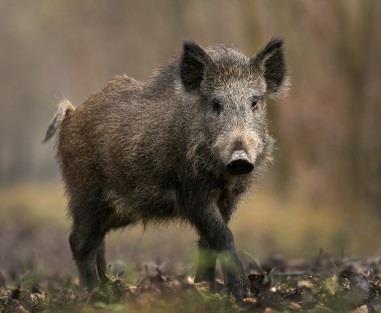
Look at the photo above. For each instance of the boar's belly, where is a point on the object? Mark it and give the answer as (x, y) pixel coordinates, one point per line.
(143, 205)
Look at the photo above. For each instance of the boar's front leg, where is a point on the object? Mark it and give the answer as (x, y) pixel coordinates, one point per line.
(207, 258)
(212, 227)
(206, 263)
(101, 261)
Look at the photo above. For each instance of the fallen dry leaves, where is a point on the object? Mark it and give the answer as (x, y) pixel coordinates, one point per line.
(321, 285)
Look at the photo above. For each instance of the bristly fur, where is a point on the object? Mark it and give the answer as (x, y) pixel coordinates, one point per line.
(159, 150)
(63, 107)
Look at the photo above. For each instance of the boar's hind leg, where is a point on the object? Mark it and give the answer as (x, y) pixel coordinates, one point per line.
(206, 263)
(86, 240)
(84, 254)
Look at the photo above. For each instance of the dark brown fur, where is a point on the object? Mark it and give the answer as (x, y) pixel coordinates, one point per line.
(137, 152)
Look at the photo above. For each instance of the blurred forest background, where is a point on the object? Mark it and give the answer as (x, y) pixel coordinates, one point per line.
(324, 190)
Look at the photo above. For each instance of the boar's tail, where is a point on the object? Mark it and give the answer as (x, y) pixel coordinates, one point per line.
(63, 107)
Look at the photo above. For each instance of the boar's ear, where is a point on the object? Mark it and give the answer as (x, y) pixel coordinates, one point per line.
(270, 63)
(192, 67)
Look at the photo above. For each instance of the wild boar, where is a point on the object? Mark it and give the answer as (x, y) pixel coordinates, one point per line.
(184, 145)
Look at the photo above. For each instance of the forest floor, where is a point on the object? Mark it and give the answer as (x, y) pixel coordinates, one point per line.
(152, 268)
(324, 284)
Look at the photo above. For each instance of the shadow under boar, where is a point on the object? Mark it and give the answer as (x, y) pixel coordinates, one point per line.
(183, 145)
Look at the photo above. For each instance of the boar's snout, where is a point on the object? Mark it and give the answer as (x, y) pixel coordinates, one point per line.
(239, 163)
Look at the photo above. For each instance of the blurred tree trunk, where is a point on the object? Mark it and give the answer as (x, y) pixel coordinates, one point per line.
(256, 38)
(353, 57)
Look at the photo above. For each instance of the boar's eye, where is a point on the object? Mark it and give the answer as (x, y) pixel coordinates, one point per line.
(216, 105)
(254, 103)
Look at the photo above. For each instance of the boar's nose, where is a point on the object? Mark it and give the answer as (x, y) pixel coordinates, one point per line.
(239, 163)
